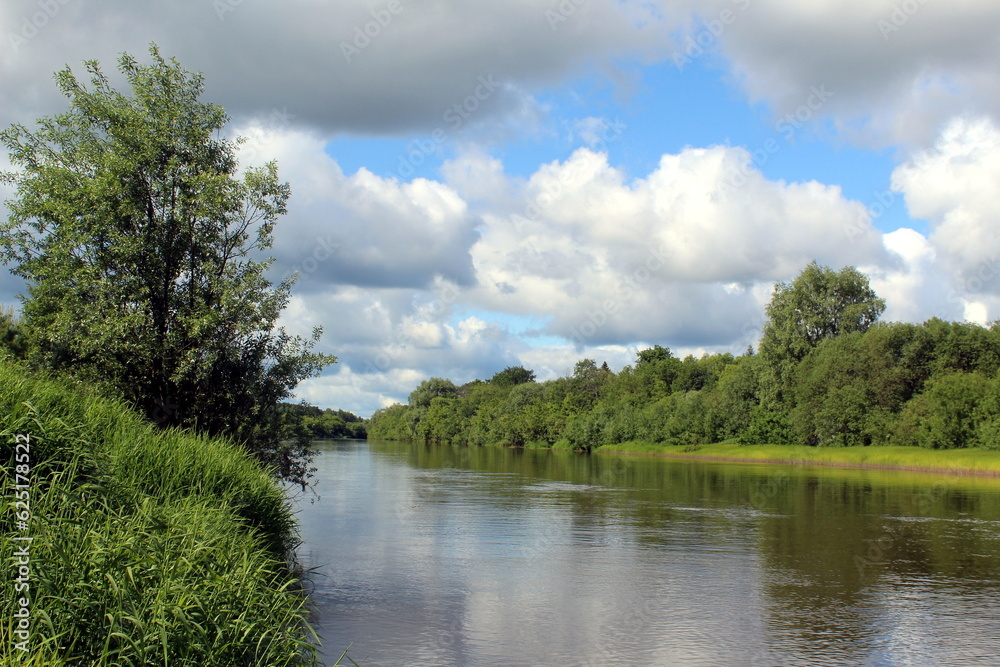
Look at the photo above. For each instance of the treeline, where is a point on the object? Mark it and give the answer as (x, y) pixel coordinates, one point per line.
(303, 421)
(826, 374)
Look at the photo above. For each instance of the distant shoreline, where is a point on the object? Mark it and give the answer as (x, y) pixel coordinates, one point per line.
(964, 462)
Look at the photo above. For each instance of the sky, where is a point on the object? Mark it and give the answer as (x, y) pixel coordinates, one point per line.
(478, 185)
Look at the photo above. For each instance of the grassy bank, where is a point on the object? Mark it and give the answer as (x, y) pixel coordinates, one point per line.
(148, 547)
(955, 461)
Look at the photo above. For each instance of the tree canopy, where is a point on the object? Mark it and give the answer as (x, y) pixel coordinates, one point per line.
(512, 375)
(139, 239)
(828, 375)
(819, 303)
(431, 389)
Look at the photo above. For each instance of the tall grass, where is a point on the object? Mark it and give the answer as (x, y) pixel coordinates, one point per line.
(150, 547)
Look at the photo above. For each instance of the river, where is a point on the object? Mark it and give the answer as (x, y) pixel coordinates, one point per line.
(439, 556)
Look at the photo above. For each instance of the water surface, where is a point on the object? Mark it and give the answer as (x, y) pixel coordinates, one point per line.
(433, 556)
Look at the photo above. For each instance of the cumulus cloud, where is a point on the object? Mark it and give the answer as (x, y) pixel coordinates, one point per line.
(896, 69)
(414, 278)
(363, 229)
(673, 255)
(373, 68)
(387, 341)
(916, 287)
(953, 186)
(683, 256)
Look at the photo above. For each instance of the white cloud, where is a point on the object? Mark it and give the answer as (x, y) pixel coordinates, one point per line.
(610, 260)
(363, 229)
(315, 59)
(917, 287)
(683, 255)
(954, 186)
(897, 69)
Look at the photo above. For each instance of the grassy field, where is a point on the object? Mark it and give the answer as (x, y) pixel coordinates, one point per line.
(956, 461)
(147, 547)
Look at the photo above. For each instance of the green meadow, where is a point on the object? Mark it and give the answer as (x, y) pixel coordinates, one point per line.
(956, 461)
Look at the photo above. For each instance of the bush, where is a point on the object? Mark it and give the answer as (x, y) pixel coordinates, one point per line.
(947, 415)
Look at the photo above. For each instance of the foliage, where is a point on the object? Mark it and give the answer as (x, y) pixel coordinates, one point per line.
(307, 422)
(431, 389)
(512, 375)
(819, 304)
(137, 236)
(827, 375)
(12, 335)
(947, 415)
(149, 546)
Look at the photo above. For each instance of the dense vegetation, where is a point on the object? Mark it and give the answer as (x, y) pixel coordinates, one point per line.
(149, 546)
(139, 237)
(827, 374)
(308, 422)
(147, 374)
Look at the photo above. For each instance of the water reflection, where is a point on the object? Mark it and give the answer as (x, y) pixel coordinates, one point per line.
(456, 556)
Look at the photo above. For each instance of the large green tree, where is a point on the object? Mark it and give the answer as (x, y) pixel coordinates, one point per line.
(430, 389)
(512, 376)
(140, 242)
(820, 303)
(817, 305)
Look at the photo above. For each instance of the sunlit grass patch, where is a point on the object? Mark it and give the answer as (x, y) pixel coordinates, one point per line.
(968, 461)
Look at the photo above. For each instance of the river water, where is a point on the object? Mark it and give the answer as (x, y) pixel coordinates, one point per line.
(435, 556)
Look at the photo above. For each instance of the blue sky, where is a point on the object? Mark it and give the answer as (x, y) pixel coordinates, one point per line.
(659, 109)
(602, 185)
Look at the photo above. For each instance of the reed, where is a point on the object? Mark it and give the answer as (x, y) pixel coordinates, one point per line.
(149, 547)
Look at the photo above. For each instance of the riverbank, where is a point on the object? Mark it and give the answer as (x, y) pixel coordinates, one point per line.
(137, 545)
(977, 462)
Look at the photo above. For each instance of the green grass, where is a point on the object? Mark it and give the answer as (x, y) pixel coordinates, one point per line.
(964, 461)
(150, 547)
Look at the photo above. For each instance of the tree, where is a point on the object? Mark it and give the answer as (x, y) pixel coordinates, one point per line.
(820, 303)
(950, 414)
(587, 384)
(512, 375)
(430, 389)
(656, 368)
(653, 355)
(137, 236)
(12, 339)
